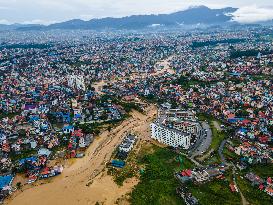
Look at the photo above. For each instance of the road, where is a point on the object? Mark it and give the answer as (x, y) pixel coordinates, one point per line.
(204, 142)
(223, 159)
(244, 201)
(220, 151)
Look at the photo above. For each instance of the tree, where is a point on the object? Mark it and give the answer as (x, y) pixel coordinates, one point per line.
(19, 185)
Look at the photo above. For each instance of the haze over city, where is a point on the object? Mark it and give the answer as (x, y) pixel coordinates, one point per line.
(52, 11)
(148, 102)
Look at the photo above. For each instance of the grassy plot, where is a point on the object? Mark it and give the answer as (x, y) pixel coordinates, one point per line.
(230, 155)
(9, 115)
(157, 184)
(252, 194)
(217, 136)
(120, 175)
(215, 192)
(263, 170)
(212, 159)
(23, 154)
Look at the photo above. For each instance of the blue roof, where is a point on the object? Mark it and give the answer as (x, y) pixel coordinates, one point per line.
(44, 151)
(34, 118)
(5, 181)
(243, 129)
(235, 119)
(78, 116)
(32, 159)
(68, 127)
(235, 74)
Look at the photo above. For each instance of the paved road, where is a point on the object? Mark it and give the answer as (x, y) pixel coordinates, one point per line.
(220, 151)
(203, 143)
(193, 160)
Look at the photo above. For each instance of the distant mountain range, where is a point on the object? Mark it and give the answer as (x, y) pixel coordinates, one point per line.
(192, 16)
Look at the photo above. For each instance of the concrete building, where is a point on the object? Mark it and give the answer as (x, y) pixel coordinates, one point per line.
(200, 176)
(177, 113)
(192, 127)
(176, 128)
(170, 136)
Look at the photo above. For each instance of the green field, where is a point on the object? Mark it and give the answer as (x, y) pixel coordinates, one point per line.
(263, 170)
(215, 192)
(217, 136)
(252, 194)
(157, 184)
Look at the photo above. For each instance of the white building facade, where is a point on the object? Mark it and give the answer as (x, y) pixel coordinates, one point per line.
(171, 137)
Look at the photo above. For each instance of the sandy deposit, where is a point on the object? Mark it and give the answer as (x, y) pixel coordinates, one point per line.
(85, 182)
(98, 86)
(166, 67)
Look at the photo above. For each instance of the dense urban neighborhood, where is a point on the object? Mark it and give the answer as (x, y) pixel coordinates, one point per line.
(169, 117)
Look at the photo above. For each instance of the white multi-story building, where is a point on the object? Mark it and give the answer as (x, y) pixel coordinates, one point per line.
(176, 128)
(169, 136)
(75, 81)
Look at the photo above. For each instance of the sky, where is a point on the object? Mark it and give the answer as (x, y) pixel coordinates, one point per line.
(52, 11)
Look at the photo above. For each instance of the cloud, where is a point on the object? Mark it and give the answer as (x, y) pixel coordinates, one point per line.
(4, 8)
(253, 13)
(5, 21)
(39, 21)
(61, 10)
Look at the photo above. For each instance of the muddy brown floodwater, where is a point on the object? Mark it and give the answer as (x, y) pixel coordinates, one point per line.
(85, 182)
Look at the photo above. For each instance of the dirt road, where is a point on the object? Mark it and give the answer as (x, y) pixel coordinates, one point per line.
(84, 182)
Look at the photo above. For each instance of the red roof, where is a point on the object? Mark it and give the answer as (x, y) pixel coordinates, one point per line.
(261, 114)
(45, 170)
(230, 116)
(246, 121)
(261, 187)
(77, 133)
(269, 180)
(264, 139)
(232, 187)
(269, 189)
(186, 172)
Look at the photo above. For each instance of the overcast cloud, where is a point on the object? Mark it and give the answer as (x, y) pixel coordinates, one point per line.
(50, 11)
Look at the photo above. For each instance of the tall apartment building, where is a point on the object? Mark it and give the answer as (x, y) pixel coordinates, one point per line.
(170, 136)
(176, 128)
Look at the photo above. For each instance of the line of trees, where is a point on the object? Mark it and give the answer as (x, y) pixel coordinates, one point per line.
(198, 44)
(248, 53)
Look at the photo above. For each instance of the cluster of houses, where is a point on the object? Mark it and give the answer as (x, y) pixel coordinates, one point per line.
(253, 153)
(261, 184)
(36, 167)
(5, 186)
(38, 118)
(202, 174)
(46, 91)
